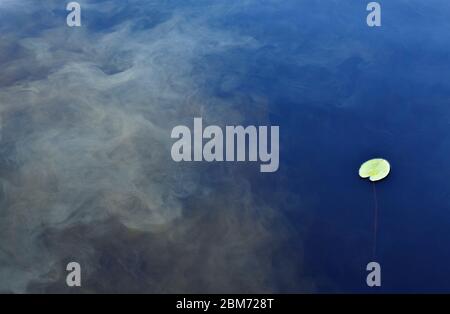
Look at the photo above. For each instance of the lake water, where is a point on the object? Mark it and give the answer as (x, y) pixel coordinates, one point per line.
(85, 164)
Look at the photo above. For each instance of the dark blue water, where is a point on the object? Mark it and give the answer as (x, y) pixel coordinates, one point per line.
(343, 93)
(340, 91)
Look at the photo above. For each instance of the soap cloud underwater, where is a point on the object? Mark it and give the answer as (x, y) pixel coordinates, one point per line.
(85, 167)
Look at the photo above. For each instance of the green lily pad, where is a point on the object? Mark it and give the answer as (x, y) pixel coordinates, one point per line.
(375, 169)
